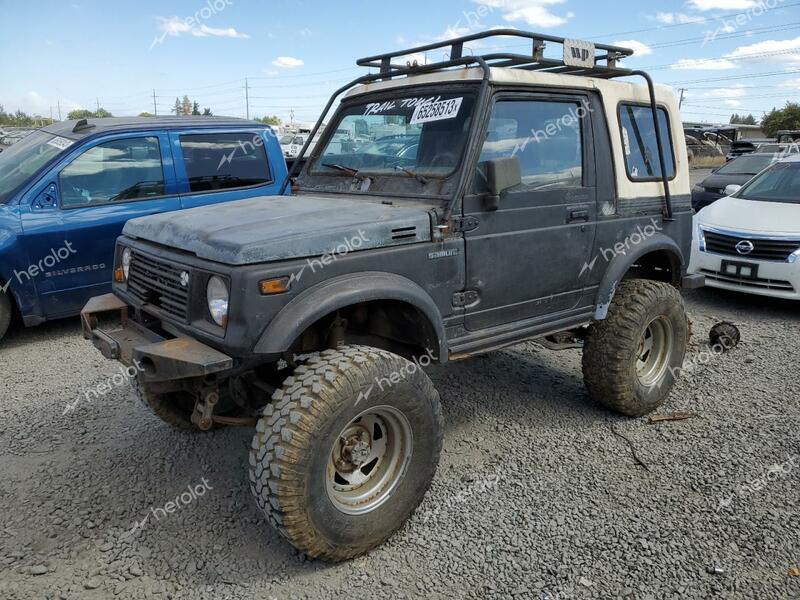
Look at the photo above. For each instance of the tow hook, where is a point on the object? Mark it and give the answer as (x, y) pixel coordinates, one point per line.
(203, 415)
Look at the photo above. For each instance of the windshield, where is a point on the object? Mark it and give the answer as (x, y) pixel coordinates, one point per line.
(423, 135)
(747, 165)
(781, 183)
(25, 158)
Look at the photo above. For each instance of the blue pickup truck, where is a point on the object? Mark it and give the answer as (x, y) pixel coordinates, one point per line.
(67, 190)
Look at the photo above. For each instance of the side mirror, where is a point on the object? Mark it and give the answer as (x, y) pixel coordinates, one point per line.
(501, 174)
(732, 189)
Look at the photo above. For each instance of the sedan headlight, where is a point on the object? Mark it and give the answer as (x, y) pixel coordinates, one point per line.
(701, 239)
(126, 263)
(698, 189)
(218, 300)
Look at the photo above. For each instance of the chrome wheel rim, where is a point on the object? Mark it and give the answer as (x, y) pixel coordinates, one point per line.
(368, 460)
(655, 349)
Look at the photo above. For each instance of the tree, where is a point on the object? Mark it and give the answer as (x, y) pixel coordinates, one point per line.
(178, 108)
(82, 113)
(273, 120)
(186, 106)
(145, 114)
(76, 115)
(195, 109)
(737, 119)
(786, 118)
(207, 112)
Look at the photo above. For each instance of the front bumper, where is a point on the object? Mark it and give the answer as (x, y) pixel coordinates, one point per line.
(773, 279)
(157, 358)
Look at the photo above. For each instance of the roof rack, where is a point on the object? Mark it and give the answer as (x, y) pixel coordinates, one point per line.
(579, 57)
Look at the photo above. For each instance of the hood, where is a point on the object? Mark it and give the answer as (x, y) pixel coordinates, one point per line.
(751, 216)
(721, 181)
(283, 227)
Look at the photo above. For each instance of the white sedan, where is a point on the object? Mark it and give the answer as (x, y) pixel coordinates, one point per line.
(750, 240)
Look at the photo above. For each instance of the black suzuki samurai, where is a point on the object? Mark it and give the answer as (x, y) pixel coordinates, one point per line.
(449, 209)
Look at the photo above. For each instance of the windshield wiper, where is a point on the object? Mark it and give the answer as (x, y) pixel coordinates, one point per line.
(349, 170)
(411, 173)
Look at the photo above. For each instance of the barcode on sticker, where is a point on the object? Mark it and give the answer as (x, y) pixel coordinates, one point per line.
(60, 143)
(436, 111)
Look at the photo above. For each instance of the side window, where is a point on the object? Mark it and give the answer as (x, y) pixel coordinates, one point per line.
(639, 142)
(544, 135)
(118, 171)
(224, 161)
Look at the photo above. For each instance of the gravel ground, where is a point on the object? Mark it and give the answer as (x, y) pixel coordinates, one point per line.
(539, 494)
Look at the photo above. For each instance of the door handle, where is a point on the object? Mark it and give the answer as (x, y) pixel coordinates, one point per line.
(578, 216)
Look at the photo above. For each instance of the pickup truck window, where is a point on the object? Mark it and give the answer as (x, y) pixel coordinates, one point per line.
(117, 171)
(544, 135)
(222, 161)
(25, 158)
(639, 142)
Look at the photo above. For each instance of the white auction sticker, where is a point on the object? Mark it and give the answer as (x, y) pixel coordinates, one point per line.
(60, 143)
(436, 111)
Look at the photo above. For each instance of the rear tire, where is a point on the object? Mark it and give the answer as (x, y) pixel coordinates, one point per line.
(6, 312)
(346, 451)
(632, 358)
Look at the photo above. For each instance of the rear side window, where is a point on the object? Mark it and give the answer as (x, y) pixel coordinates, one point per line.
(639, 142)
(118, 171)
(224, 161)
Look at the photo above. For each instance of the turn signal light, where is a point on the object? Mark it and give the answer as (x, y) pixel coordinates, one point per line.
(279, 285)
(119, 275)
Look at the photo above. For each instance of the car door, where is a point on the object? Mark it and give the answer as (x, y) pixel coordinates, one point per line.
(524, 260)
(73, 218)
(221, 166)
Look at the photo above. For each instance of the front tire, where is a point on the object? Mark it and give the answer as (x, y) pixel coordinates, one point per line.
(632, 358)
(346, 451)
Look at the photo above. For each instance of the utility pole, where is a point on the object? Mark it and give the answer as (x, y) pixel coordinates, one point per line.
(97, 100)
(155, 106)
(291, 117)
(247, 97)
(59, 109)
(682, 91)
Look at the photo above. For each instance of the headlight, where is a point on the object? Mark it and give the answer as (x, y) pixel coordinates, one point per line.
(126, 263)
(701, 239)
(218, 300)
(699, 189)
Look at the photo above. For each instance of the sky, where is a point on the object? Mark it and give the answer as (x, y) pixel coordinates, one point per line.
(730, 56)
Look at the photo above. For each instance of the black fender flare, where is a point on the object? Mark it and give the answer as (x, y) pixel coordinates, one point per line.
(327, 297)
(622, 263)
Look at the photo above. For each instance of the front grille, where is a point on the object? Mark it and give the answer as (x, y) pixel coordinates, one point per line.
(758, 283)
(159, 284)
(773, 250)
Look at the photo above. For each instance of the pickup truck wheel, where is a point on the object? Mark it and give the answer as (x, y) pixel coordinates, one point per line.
(6, 312)
(175, 409)
(346, 450)
(630, 360)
